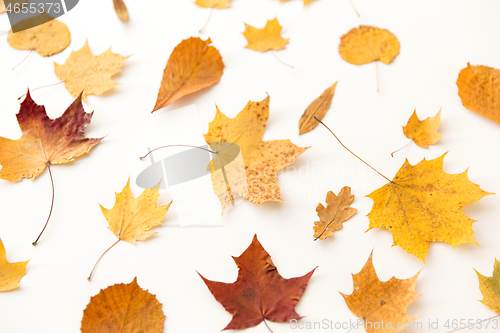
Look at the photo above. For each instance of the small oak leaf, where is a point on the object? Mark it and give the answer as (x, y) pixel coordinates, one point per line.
(318, 109)
(10, 273)
(423, 133)
(265, 39)
(490, 288)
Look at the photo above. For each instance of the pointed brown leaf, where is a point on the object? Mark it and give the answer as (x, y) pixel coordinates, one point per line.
(317, 108)
(121, 10)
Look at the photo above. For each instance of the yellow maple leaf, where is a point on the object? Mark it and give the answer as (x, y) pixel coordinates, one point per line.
(84, 72)
(265, 39)
(490, 288)
(318, 109)
(256, 179)
(479, 89)
(366, 44)
(422, 204)
(337, 211)
(217, 4)
(121, 10)
(10, 273)
(45, 35)
(423, 133)
(381, 305)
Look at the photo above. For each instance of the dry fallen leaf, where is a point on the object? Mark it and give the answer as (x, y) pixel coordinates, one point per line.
(217, 4)
(479, 89)
(422, 204)
(262, 159)
(423, 133)
(123, 308)
(121, 10)
(317, 108)
(84, 72)
(366, 44)
(337, 211)
(265, 39)
(47, 39)
(131, 219)
(10, 273)
(490, 288)
(192, 66)
(306, 2)
(259, 293)
(44, 140)
(381, 305)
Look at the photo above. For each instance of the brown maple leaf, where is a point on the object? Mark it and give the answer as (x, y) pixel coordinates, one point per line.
(381, 305)
(318, 109)
(259, 293)
(265, 39)
(123, 308)
(337, 211)
(193, 65)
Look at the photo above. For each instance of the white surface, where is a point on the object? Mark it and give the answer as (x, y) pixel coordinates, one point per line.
(437, 39)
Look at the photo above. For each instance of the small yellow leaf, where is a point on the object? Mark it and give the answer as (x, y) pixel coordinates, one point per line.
(337, 211)
(84, 72)
(131, 219)
(217, 4)
(490, 288)
(366, 44)
(317, 108)
(47, 39)
(423, 133)
(268, 38)
(10, 273)
(121, 10)
(306, 2)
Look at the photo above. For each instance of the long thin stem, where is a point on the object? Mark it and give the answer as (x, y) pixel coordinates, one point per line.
(284, 63)
(406, 145)
(48, 85)
(472, 325)
(3, 33)
(109, 248)
(206, 22)
(359, 158)
(23, 59)
(51, 205)
(210, 151)
(265, 322)
(352, 3)
(376, 75)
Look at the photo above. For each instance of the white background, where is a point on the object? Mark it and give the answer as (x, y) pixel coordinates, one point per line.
(437, 39)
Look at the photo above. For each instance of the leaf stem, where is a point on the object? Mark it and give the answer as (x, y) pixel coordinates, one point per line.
(265, 322)
(93, 268)
(206, 22)
(376, 75)
(210, 151)
(284, 63)
(354, 7)
(48, 85)
(51, 205)
(23, 59)
(472, 325)
(359, 158)
(406, 145)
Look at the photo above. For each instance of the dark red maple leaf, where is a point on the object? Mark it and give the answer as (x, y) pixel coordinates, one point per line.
(259, 292)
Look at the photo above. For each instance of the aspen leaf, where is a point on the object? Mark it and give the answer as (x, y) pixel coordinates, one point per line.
(423, 133)
(131, 219)
(44, 140)
(262, 159)
(84, 72)
(317, 108)
(379, 302)
(479, 89)
(193, 65)
(259, 293)
(367, 44)
(490, 288)
(337, 211)
(265, 39)
(124, 308)
(217, 4)
(121, 10)
(423, 204)
(47, 39)
(10, 273)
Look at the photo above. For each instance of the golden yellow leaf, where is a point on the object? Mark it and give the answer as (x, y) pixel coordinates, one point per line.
(366, 44)
(423, 133)
(217, 4)
(381, 305)
(192, 66)
(262, 159)
(47, 39)
(84, 72)
(479, 89)
(337, 211)
(490, 288)
(131, 219)
(10, 273)
(121, 10)
(268, 38)
(423, 204)
(124, 308)
(317, 108)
